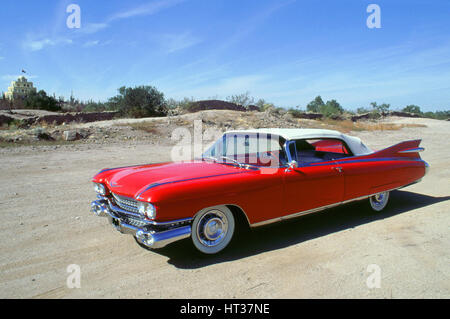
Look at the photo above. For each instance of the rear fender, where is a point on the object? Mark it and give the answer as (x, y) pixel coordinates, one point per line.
(408, 149)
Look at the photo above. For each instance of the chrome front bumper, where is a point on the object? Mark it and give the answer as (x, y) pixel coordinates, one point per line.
(148, 237)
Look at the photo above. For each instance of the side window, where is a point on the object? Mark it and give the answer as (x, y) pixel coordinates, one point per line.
(332, 146)
(320, 150)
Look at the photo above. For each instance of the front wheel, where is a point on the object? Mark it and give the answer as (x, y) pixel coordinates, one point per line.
(379, 201)
(212, 229)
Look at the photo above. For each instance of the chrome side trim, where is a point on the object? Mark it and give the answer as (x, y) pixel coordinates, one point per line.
(412, 150)
(306, 212)
(315, 210)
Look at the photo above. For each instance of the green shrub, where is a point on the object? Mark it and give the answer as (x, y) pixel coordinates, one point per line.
(41, 101)
(331, 109)
(412, 109)
(314, 106)
(140, 101)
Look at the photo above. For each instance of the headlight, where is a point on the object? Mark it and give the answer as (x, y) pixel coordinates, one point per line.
(100, 189)
(147, 209)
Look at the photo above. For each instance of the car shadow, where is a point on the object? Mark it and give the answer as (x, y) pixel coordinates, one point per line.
(183, 255)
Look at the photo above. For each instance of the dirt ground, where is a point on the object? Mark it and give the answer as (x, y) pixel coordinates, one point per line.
(45, 193)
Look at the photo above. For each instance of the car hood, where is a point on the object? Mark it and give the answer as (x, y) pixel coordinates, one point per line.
(133, 181)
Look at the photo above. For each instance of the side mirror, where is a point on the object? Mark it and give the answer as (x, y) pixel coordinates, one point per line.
(291, 166)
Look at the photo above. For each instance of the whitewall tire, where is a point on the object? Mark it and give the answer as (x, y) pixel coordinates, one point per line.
(213, 229)
(379, 201)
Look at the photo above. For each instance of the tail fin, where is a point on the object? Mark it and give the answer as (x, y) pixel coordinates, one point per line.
(409, 149)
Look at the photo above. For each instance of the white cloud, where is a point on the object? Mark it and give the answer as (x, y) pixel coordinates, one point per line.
(176, 42)
(89, 44)
(143, 10)
(92, 28)
(147, 9)
(37, 45)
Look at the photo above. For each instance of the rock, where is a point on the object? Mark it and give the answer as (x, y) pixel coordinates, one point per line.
(84, 133)
(70, 135)
(44, 136)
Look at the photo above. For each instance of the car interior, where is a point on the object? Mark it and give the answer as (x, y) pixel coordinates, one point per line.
(320, 150)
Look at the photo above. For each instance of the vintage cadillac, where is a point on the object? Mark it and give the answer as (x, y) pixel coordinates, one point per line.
(257, 176)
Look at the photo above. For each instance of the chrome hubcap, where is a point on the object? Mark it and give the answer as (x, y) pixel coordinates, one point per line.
(378, 201)
(212, 228)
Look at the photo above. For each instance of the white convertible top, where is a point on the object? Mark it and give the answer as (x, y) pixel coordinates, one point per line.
(354, 143)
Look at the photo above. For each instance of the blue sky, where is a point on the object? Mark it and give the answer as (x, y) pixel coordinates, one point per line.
(286, 52)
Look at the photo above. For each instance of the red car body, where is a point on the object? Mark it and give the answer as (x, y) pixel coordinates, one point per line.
(261, 193)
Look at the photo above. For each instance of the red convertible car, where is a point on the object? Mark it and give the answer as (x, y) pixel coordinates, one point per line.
(260, 176)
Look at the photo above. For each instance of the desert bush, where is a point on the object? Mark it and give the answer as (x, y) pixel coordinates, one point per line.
(243, 99)
(92, 106)
(438, 115)
(295, 113)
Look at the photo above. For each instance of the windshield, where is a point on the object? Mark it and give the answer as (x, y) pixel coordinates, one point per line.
(253, 149)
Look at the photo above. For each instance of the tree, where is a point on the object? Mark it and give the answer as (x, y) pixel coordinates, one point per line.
(314, 106)
(140, 101)
(412, 109)
(383, 108)
(42, 101)
(331, 108)
(263, 105)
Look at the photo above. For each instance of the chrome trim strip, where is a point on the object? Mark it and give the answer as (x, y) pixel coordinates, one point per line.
(318, 209)
(412, 150)
(306, 212)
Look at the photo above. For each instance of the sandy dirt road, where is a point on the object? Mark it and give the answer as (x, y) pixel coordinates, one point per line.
(46, 226)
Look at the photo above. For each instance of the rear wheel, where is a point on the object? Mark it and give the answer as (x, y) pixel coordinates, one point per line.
(379, 201)
(212, 229)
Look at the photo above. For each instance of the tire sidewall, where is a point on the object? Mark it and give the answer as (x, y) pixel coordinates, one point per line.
(379, 209)
(229, 235)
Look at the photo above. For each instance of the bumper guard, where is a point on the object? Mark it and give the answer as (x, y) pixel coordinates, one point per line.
(149, 238)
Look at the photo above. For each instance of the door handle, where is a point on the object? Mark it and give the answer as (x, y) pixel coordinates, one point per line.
(338, 168)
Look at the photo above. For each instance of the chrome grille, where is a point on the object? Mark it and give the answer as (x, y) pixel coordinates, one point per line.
(136, 222)
(126, 203)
